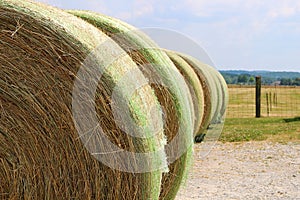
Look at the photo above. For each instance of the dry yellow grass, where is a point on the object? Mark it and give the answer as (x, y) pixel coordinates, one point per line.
(283, 101)
(41, 153)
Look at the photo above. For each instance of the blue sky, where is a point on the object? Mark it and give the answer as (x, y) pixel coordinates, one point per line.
(237, 34)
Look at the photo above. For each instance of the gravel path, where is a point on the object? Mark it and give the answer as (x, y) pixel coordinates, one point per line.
(251, 170)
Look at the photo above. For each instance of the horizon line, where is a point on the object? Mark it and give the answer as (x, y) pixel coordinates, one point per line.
(258, 70)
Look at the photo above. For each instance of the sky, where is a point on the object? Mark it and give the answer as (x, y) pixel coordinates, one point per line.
(236, 34)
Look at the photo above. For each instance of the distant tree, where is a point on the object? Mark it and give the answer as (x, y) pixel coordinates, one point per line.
(227, 78)
(296, 82)
(286, 81)
(251, 80)
(230, 78)
(243, 78)
(267, 80)
(268, 77)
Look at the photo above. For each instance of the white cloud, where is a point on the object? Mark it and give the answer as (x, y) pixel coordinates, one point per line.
(143, 7)
(211, 7)
(56, 3)
(284, 10)
(126, 16)
(131, 10)
(208, 7)
(232, 30)
(98, 5)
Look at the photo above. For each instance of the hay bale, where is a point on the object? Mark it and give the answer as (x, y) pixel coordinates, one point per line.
(201, 69)
(224, 94)
(206, 87)
(169, 87)
(217, 90)
(217, 122)
(218, 95)
(195, 87)
(41, 155)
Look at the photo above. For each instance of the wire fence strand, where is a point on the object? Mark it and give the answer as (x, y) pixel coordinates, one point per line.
(276, 101)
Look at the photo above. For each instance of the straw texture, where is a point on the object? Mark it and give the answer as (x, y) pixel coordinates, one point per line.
(216, 95)
(170, 89)
(41, 155)
(195, 87)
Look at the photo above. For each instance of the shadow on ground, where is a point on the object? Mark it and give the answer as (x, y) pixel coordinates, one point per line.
(296, 119)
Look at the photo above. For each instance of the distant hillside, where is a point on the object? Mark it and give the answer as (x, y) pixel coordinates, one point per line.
(268, 77)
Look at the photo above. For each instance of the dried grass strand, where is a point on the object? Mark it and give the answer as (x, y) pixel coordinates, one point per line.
(41, 157)
(175, 99)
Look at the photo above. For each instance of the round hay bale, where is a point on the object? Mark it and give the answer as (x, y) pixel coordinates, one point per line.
(194, 85)
(201, 68)
(170, 89)
(224, 96)
(217, 88)
(218, 94)
(207, 93)
(217, 122)
(41, 153)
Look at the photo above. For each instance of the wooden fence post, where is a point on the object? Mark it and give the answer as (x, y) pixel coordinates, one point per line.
(258, 96)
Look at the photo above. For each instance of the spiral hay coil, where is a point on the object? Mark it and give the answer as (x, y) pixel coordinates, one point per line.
(195, 87)
(216, 96)
(41, 154)
(92, 108)
(170, 89)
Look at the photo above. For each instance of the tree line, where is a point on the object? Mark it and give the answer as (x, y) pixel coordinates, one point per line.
(289, 81)
(249, 79)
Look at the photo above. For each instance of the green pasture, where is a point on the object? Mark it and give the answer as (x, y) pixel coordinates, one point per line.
(280, 121)
(272, 129)
(275, 101)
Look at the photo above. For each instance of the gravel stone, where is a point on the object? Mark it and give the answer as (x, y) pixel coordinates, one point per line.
(249, 170)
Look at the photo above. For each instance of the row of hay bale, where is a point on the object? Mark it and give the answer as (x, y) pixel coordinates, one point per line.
(60, 74)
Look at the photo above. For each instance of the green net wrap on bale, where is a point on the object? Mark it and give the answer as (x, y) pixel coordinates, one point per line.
(207, 111)
(194, 85)
(225, 93)
(170, 89)
(41, 154)
(218, 86)
(217, 90)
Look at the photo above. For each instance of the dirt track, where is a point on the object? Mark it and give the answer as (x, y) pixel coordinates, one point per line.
(252, 170)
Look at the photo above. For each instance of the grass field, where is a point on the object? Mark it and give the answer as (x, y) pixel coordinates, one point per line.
(281, 101)
(280, 120)
(258, 129)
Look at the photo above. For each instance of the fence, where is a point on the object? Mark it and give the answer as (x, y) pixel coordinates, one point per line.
(276, 101)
